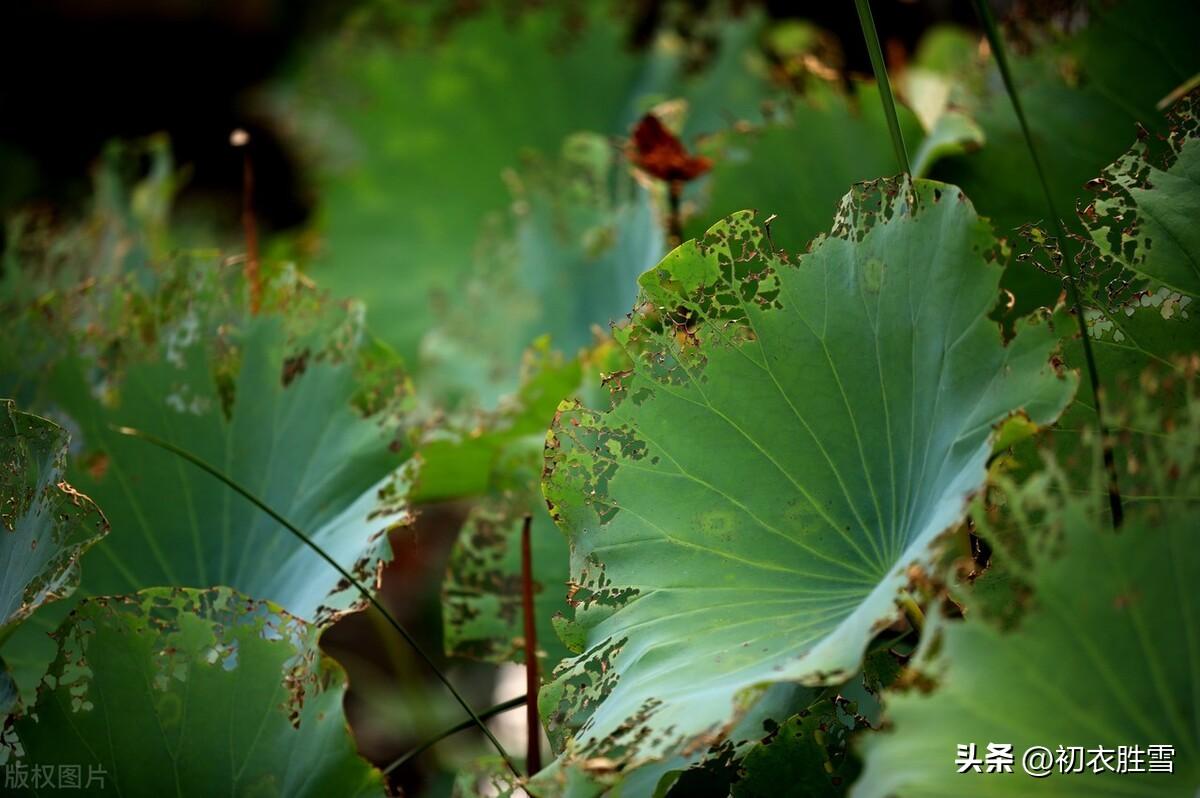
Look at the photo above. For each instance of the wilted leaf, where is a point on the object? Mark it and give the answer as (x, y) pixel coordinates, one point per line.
(192, 692)
(659, 152)
(790, 441)
(45, 524)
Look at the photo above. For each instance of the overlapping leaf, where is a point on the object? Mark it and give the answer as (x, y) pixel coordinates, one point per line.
(799, 162)
(1087, 593)
(45, 524)
(190, 692)
(563, 263)
(560, 268)
(790, 440)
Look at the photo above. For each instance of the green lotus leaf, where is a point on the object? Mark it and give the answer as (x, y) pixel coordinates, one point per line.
(1147, 201)
(191, 692)
(1054, 678)
(45, 524)
(790, 440)
(268, 399)
(482, 615)
(810, 752)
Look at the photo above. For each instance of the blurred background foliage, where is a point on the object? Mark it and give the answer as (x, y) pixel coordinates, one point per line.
(460, 170)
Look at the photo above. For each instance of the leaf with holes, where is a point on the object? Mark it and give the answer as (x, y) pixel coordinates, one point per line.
(268, 400)
(1140, 273)
(791, 439)
(45, 524)
(1081, 98)
(1146, 203)
(482, 608)
(1104, 654)
(192, 692)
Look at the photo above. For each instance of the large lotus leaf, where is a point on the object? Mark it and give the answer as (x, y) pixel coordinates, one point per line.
(1081, 98)
(45, 524)
(1104, 654)
(283, 427)
(790, 439)
(191, 692)
(412, 140)
(266, 399)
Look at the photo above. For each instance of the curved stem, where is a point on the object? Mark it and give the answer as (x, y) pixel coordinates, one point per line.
(1110, 467)
(391, 619)
(490, 712)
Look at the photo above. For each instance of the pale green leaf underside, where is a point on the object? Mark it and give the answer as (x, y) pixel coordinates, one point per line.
(195, 692)
(776, 460)
(45, 525)
(298, 446)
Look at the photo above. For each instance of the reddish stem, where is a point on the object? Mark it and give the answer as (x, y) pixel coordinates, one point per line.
(250, 227)
(533, 751)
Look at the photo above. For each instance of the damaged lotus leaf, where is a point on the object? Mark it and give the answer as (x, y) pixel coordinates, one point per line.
(482, 614)
(1147, 202)
(193, 692)
(271, 406)
(45, 524)
(1140, 265)
(789, 440)
(1081, 99)
(1105, 654)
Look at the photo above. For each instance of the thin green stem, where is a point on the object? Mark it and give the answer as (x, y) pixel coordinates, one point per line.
(490, 712)
(1068, 259)
(885, 86)
(374, 602)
